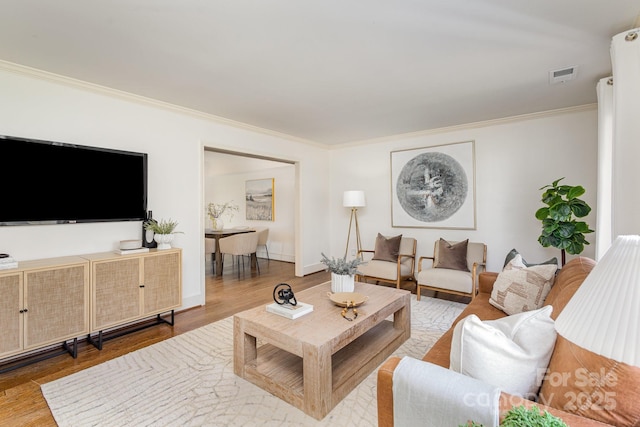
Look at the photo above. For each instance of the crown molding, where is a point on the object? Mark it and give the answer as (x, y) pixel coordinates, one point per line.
(103, 90)
(473, 125)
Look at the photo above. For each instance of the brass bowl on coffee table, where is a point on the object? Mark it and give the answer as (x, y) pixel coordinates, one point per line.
(350, 299)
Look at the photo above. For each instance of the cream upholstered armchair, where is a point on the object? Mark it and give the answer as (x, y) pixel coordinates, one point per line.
(453, 268)
(393, 260)
(239, 245)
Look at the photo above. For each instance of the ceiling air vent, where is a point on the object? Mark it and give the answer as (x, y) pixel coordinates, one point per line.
(563, 75)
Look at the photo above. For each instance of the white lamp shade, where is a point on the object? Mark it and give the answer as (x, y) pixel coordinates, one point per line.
(353, 199)
(603, 316)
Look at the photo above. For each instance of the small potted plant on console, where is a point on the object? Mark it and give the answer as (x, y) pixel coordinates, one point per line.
(342, 272)
(163, 230)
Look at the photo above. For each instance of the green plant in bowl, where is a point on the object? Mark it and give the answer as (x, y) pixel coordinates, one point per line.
(520, 416)
(162, 227)
(341, 265)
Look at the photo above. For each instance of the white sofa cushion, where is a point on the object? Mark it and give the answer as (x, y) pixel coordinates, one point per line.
(511, 353)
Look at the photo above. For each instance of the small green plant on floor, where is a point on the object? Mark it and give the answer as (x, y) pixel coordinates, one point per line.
(520, 416)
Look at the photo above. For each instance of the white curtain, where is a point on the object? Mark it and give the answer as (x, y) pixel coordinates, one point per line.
(605, 166)
(625, 56)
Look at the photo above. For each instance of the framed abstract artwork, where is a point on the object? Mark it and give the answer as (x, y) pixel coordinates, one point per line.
(434, 187)
(260, 200)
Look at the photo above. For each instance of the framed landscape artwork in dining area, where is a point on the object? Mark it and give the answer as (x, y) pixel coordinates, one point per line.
(434, 187)
(259, 199)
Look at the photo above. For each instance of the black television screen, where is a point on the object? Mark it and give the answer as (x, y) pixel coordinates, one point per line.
(45, 182)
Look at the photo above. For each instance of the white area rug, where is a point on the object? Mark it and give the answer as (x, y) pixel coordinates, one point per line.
(188, 380)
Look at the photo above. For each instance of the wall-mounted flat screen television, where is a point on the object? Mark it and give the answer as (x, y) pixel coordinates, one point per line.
(46, 182)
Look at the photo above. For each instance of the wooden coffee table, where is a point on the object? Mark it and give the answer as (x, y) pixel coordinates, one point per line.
(314, 361)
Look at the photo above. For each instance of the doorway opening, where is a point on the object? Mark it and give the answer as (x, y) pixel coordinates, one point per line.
(227, 175)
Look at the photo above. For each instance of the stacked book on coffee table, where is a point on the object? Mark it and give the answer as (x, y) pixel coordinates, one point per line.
(290, 311)
(7, 262)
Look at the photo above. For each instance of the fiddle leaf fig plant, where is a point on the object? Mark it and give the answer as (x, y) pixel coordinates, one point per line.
(560, 228)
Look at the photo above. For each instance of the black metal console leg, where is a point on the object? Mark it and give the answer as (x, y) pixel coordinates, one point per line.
(73, 351)
(163, 320)
(111, 335)
(96, 344)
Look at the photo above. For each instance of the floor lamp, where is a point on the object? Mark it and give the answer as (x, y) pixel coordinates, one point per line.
(353, 200)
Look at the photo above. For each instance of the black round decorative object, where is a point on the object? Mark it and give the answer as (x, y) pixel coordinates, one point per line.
(282, 294)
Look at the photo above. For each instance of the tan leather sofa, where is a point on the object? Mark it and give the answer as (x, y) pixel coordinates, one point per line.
(569, 278)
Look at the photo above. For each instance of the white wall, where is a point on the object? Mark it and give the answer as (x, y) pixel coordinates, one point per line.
(231, 187)
(514, 158)
(36, 105)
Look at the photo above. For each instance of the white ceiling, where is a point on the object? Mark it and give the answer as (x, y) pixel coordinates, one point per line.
(329, 71)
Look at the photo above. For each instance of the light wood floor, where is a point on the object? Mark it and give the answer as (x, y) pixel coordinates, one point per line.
(21, 401)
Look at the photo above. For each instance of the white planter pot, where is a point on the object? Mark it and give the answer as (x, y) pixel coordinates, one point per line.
(342, 283)
(164, 240)
(217, 224)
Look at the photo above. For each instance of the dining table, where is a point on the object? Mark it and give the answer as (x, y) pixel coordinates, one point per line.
(219, 234)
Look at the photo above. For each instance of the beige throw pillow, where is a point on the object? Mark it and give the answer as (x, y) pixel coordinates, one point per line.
(508, 353)
(387, 249)
(519, 288)
(452, 256)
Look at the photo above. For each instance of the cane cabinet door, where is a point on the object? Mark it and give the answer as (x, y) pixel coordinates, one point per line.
(116, 292)
(162, 282)
(56, 304)
(11, 316)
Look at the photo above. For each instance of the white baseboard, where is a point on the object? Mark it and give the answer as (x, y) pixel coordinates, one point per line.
(313, 268)
(192, 301)
(276, 256)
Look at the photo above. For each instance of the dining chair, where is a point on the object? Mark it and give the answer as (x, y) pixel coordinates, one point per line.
(210, 249)
(263, 236)
(238, 246)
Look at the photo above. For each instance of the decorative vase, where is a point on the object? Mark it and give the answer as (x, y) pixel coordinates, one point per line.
(164, 240)
(342, 283)
(218, 224)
